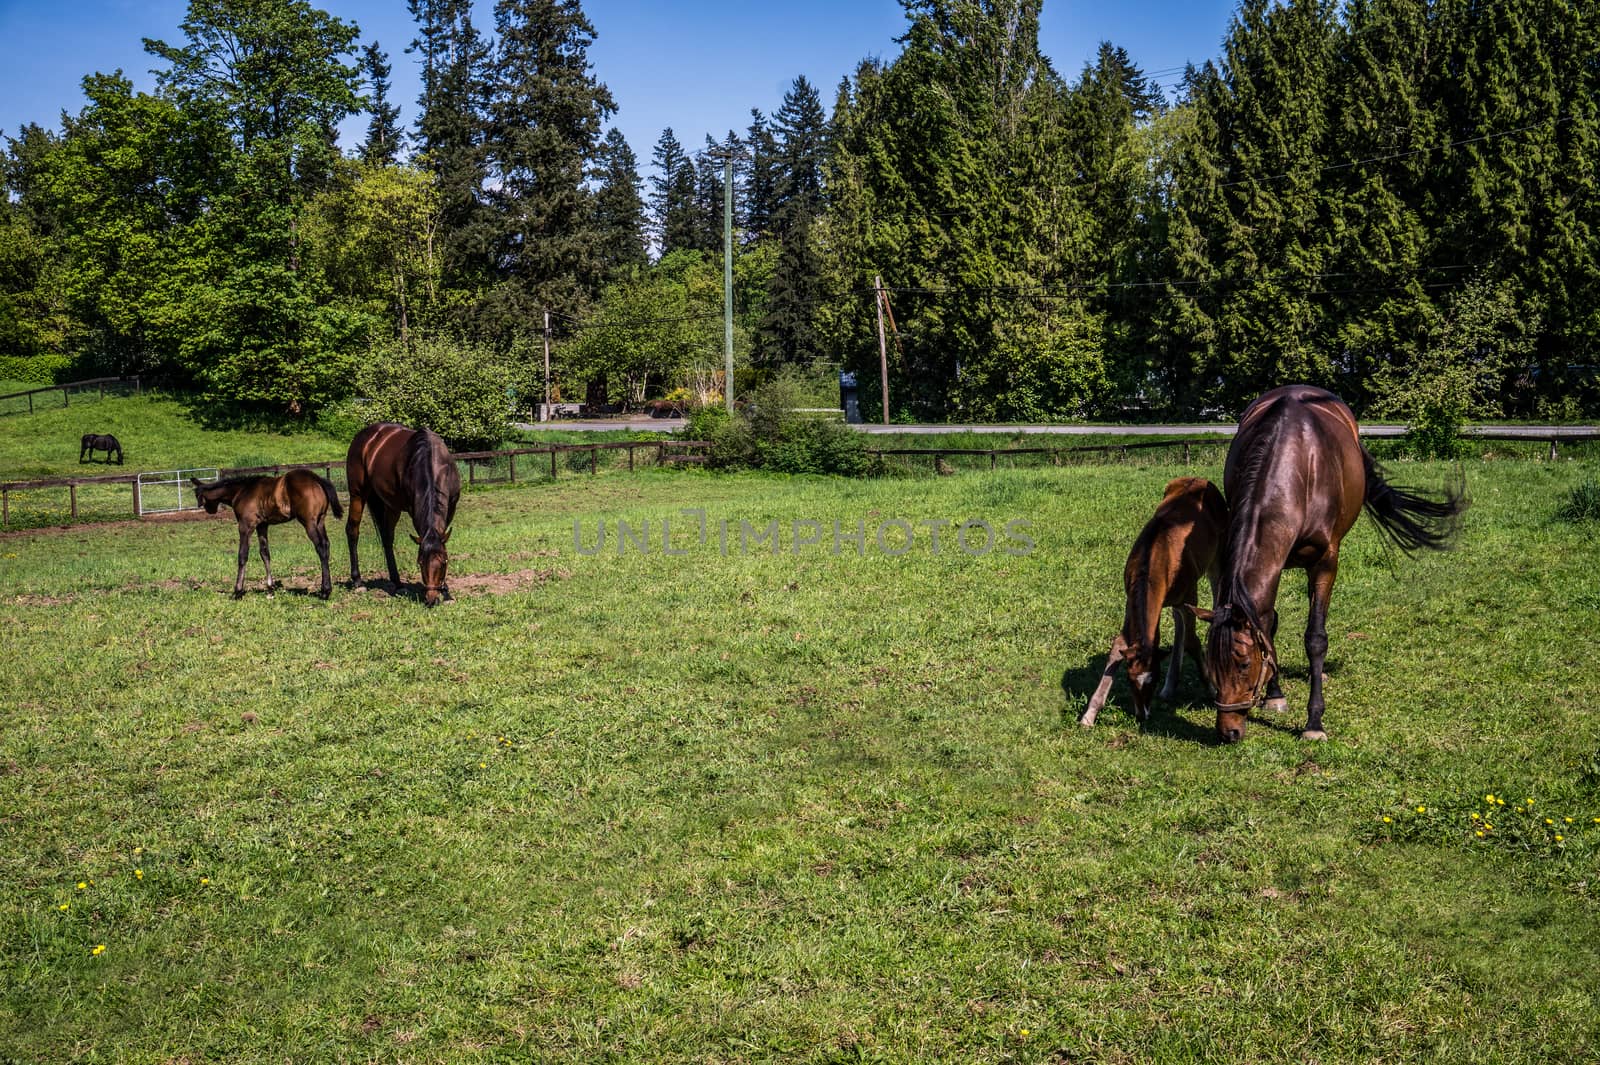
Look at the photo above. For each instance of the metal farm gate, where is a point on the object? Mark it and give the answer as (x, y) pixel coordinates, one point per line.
(169, 491)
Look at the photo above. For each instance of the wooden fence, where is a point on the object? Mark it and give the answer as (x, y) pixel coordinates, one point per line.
(95, 384)
(667, 452)
(1553, 439)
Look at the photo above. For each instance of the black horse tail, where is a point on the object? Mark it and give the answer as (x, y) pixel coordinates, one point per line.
(1408, 519)
(333, 496)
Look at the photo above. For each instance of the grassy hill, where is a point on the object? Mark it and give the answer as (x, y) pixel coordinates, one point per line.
(156, 431)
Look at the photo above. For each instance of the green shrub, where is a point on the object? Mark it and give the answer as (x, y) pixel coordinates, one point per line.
(1582, 503)
(458, 389)
(35, 369)
(767, 433)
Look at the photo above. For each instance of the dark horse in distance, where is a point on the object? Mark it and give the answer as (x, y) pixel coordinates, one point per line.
(393, 470)
(1296, 479)
(261, 501)
(93, 442)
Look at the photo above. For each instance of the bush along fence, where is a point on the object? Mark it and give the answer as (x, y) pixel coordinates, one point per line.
(76, 500)
(41, 397)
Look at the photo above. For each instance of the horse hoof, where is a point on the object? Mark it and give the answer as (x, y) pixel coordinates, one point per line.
(1313, 734)
(1277, 706)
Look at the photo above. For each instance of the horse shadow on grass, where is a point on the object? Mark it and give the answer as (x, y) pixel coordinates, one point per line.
(1078, 684)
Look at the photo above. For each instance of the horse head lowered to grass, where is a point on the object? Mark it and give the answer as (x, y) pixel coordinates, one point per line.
(1296, 479)
(393, 470)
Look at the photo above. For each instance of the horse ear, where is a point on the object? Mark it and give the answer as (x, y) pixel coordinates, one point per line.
(1200, 612)
(416, 539)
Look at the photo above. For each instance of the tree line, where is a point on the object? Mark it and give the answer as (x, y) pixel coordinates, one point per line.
(1392, 198)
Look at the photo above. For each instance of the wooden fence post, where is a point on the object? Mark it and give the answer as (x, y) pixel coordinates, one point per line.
(5, 506)
(630, 458)
(1552, 449)
(136, 500)
(1186, 452)
(552, 462)
(72, 492)
(472, 469)
(512, 458)
(594, 458)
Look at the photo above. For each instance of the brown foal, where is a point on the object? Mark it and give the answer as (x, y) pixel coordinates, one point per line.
(258, 502)
(1175, 548)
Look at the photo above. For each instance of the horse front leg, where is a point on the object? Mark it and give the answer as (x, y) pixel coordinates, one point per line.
(266, 557)
(1275, 698)
(244, 556)
(386, 526)
(1320, 579)
(352, 535)
(1182, 637)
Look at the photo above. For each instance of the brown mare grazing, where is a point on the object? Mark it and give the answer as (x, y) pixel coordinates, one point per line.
(1296, 479)
(92, 442)
(392, 469)
(1176, 546)
(258, 502)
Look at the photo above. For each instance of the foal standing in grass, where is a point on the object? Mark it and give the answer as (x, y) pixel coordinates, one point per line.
(1175, 547)
(258, 502)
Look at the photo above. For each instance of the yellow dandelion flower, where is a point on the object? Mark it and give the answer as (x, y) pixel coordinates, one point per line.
(1025, 1033)
(1549, 821)
(65, 907)
(1568, 820)
(1560, 839)
(82, 885)
(1387, 821)
(99, 949)
(483, 765)
(1500, 802)
(1488, 826)
(205, 880)
(1477, 817)
(1422, 809)
(139, 873)
(1528, 801)
(138, 851)
(1489, 799)
(1479, 833)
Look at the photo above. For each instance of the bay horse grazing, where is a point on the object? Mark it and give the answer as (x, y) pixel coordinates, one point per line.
(92, 442)
(1296, 479)
(261, 501)
(1176, 546)
(394, 470)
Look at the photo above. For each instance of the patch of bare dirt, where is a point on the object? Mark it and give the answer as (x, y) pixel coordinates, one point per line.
(43, 600)
(505, 583)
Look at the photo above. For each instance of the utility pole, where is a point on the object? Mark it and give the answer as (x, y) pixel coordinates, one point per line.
(546, 414)
(727, 282)
(883, 352)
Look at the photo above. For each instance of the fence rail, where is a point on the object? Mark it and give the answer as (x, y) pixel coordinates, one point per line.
(99, 384)
(666, 452)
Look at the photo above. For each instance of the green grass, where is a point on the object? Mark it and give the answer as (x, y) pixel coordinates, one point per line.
(799, 806)
(157, 432)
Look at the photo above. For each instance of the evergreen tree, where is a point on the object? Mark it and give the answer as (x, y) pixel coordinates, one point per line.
(450, 127)
(763, 177)
(672, 206)
(800, 129)
(619, 206)
(546, 116)
(385, 138)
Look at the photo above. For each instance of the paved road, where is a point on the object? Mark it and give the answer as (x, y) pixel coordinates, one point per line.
(666, 425)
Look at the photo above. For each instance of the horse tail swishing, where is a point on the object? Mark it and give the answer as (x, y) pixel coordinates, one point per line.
(333, 496)
(1406, 518)
(1296, 480)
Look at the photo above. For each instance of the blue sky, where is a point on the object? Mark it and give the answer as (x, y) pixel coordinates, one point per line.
(697, 67)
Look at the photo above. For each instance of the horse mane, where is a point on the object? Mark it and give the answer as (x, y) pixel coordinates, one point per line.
(242, 480)
(1252, 468)
(427, 500)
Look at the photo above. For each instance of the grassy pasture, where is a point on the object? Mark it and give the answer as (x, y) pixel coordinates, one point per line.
(827, 807)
